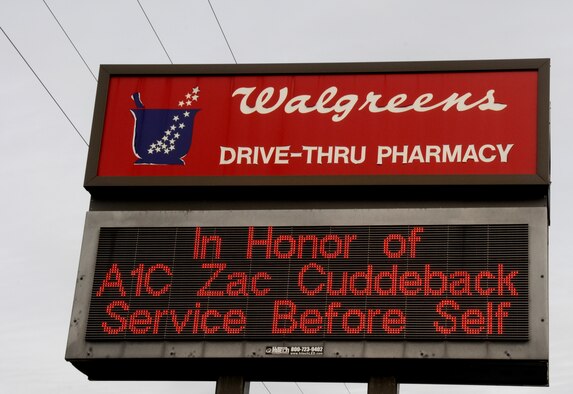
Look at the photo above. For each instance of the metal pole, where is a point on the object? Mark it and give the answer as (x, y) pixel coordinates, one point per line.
(383, 385)
(232, 385)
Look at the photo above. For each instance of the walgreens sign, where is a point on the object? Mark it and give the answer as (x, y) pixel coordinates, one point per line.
(296, 121)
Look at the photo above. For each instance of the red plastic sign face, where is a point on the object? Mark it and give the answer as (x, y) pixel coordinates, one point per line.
(436, 123)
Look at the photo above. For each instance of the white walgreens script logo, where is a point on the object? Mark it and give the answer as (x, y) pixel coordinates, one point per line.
(266, 102)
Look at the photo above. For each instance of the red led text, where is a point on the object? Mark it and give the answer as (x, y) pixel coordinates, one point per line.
(288, 246)
(194, 321)
(287, 319)
(237, 283)
(471, 321)
(393, 282)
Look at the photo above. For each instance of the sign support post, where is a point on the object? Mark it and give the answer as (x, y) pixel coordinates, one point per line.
(383, 385)
(232, 385)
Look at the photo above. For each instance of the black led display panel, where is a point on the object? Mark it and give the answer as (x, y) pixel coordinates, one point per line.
(359, 282)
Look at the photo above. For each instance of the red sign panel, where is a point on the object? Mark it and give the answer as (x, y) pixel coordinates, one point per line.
(300, 124)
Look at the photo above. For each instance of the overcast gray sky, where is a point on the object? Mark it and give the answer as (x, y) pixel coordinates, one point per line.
(50, 52)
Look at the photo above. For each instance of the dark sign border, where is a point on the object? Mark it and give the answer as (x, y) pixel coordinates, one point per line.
(94, 183)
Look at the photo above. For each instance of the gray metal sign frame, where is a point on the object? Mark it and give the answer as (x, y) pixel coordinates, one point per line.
(440, 362)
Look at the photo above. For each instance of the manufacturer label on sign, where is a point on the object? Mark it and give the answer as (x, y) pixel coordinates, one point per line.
(295, 350)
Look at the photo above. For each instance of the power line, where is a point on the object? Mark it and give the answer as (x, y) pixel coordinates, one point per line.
(222, 31)
(156, 35)
(297, 385)
(70, 40)
(265, 386)
(45, 87)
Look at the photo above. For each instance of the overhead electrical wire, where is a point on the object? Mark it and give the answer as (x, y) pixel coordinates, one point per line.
(70, 40)
(222, 31)
(45, 87)
(155, 32)
(265, 386)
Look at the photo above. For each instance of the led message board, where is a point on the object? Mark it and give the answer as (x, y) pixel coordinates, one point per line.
(432, 282)
(482, 122)
(423, 293)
